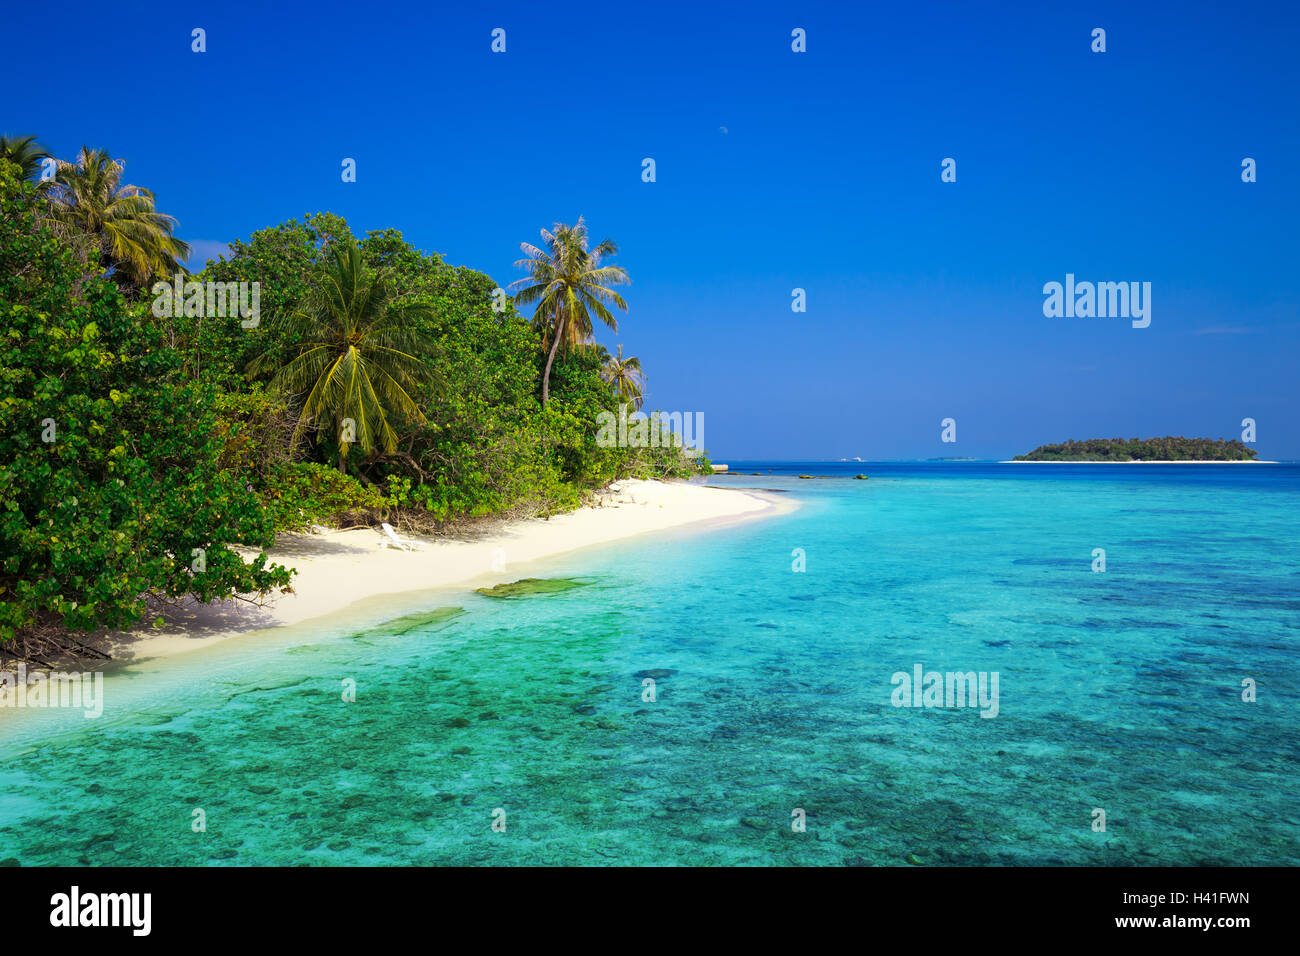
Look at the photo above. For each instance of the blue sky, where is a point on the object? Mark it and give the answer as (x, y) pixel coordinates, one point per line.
(924, 298)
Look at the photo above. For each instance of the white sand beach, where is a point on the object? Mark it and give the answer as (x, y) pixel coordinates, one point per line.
(340, 568)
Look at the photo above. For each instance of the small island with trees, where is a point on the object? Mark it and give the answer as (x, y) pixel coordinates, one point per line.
(1168, 448)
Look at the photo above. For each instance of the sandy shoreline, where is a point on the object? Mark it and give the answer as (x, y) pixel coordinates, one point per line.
(337, 569)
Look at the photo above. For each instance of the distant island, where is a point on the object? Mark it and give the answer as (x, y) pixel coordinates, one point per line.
(1143, 449)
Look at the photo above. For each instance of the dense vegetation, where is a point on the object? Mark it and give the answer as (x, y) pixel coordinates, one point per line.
(1143, 449)
(143, 448)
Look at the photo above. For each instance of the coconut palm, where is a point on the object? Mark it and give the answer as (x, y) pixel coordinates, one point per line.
(568, 284)
(23, 151)
(358, 356)
(626, 378)
(118, 222)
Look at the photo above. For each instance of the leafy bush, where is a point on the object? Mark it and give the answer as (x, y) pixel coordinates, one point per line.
(110, 481)
(299, 495)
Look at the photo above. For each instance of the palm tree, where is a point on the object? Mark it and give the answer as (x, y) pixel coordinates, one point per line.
(25, 152)
(626, 377)
(568, 284)
(118, 222)
(359, 357)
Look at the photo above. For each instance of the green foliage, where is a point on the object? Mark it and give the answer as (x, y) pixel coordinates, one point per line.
(485, 445)
(359, 356)
(282, 260)
(24, 152)
(110, 471)
(1168, 448)
(175, 433)
(625, 377)
(568, 284)
(116, 222)
(302, 494)
(256, 431)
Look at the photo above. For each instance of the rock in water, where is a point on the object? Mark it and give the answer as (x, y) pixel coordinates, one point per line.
(527, 587)
(420, 619)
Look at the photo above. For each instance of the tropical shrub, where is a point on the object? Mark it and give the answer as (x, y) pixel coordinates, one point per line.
(305, 493)
(111, 486)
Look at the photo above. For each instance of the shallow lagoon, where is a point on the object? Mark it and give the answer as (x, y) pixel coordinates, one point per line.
(1119, 691)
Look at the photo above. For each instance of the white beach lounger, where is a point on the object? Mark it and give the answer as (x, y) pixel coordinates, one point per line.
(392, 536)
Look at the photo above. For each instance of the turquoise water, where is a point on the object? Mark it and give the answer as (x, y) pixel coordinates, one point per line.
(1118, 690)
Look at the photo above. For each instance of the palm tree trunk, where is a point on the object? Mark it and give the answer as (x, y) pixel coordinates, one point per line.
(343, 461)
(550, 360)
